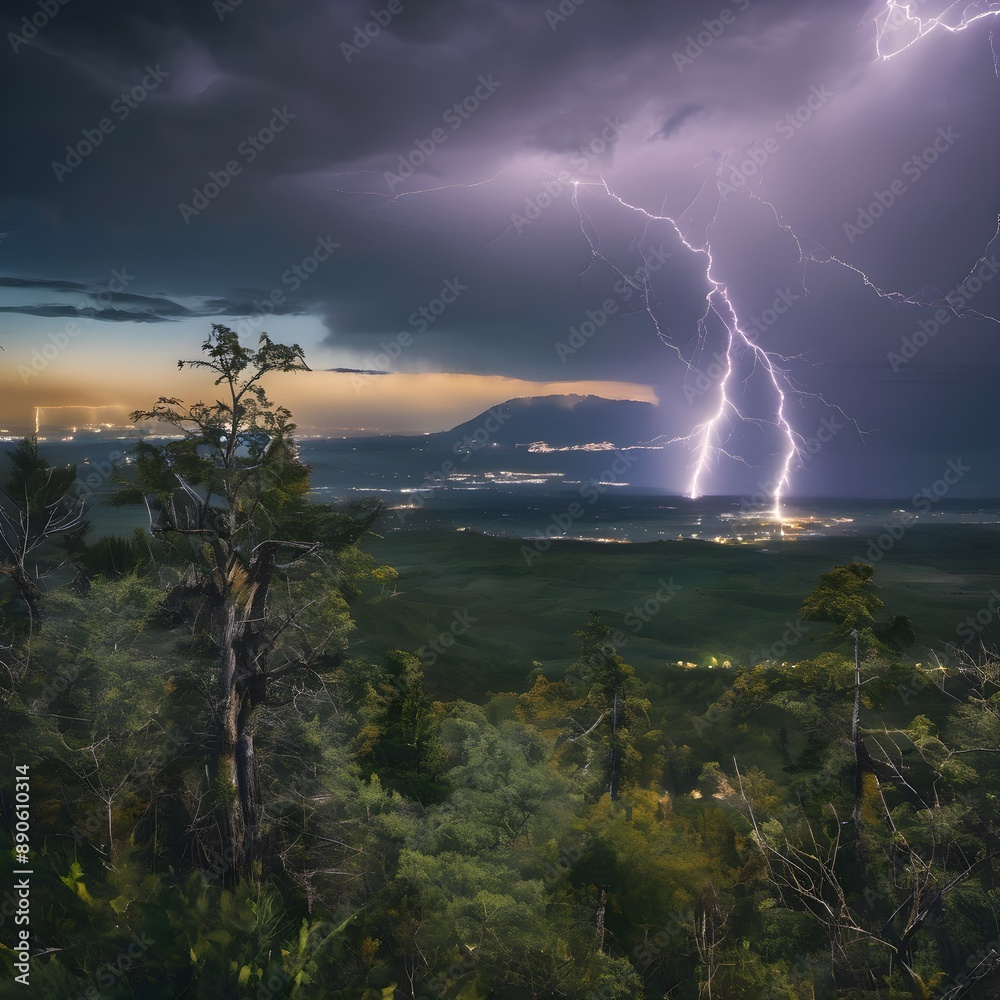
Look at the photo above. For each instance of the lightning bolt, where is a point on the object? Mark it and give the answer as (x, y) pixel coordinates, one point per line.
(387, 198)
(709, 438)
(897, 14)
(708, 435)
(816, 253)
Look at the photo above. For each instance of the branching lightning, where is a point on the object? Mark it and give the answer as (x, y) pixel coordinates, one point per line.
(387, 198)
(708, 438)
(896, 15)
(928, 298)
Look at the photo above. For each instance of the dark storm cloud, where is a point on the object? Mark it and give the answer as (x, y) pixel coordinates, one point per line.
(674, 122)
(281, 125)
(105, 315)
(129, 307)
(51, 284)
(224, 77)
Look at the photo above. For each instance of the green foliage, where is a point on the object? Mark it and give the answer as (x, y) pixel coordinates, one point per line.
(160, 939)
(845, 597)
(452, 849)
(113, 555)
(34, 492)
(398, 740)
(616, 715)
(897, 633)
(234, 474)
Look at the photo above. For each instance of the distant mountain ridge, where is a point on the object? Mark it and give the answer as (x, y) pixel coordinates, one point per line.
(560, 421)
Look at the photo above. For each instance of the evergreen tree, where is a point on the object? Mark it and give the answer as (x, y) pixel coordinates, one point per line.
(230, 497)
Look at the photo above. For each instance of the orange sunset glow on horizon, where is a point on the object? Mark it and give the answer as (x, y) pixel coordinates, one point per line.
(322, 402)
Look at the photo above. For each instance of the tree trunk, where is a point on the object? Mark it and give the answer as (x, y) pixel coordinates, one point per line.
(856, 737)
(862, 769)
(240, 597)
(249, 797)
(228, 711)
(27, 587)
(241, 691)
(614, 764)
(602, 905)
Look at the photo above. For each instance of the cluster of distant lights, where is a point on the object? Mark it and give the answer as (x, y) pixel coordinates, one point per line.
(542, 448)
(97, 428)
(474, 481)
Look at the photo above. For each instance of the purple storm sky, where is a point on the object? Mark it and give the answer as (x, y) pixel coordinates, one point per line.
(436, 176)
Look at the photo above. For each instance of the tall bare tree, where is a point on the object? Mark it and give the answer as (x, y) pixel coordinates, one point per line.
(230, 496)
